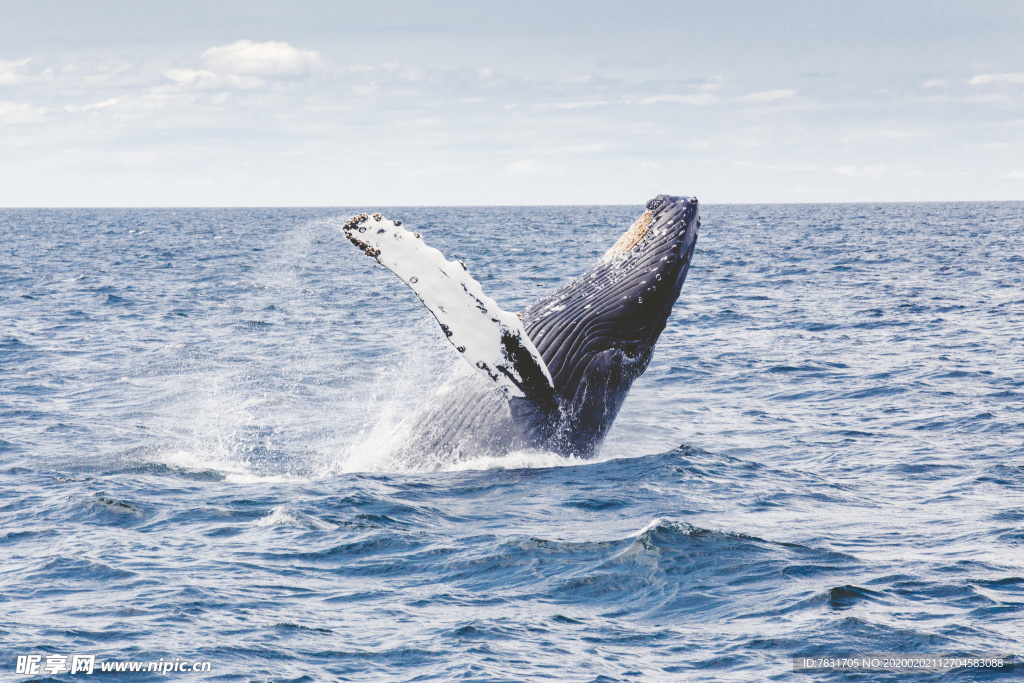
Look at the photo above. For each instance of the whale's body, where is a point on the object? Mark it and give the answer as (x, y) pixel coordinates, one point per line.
(557, 373)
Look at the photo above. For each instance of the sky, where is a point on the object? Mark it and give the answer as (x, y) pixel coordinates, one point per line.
(392, 103)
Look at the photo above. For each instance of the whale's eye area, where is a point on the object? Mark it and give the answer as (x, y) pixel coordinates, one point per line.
(632, 237)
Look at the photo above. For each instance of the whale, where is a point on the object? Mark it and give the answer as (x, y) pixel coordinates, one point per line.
(553, 376)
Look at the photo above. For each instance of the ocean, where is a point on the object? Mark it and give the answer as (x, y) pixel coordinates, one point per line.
(824, 459)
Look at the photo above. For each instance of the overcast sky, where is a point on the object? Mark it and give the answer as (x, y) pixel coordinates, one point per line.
(409, 103)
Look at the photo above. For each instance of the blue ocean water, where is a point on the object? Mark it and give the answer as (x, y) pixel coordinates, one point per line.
(824, 458)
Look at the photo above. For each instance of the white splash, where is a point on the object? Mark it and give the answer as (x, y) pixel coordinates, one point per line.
(282, 516)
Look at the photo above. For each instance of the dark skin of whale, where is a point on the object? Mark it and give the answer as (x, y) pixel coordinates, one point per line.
(596, 335)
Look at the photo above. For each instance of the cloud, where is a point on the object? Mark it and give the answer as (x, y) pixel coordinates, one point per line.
(870, 172)
(934, 83)
(260, 59)
(697, 100)
(768, 96)
(789, 168)
(985, 79)
(902, 134)
(96, 105)
(777, 168)
(593, 148)
(203, 79)
(18, 112)
(572, 105)
(12, 72)
(192, 77)
(526, 166)
(1016, 175)
(367, 68)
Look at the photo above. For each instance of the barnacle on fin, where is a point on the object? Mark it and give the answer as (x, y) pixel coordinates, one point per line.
(633, 236)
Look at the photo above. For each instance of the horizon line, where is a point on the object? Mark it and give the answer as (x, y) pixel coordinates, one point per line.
(494, 206)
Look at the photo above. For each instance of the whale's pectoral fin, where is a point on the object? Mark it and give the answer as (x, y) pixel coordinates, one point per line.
(491, 340)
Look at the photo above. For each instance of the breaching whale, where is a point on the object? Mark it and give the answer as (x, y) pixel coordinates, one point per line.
(554, 376)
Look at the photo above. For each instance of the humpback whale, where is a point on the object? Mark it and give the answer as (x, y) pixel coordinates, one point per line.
(553, 376)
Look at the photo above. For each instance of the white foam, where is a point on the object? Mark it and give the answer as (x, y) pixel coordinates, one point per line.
(653, 524)
(518, 460)
(282, 516)
(236, 471)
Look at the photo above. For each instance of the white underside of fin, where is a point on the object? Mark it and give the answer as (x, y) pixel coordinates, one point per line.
(492, 340)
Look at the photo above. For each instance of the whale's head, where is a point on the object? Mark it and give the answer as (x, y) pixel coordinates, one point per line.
(597, 333)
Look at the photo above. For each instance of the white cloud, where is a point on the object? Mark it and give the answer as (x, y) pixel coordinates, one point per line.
(572, 105)
(768, 96)
(698, 100)
(13, 72)
(870, 172)
(203, 79)
(192, 77)
(934, 83)
(260, 59)
(18, 112)
(987, 99)
(791, 167)
(577, 78)
(1016, 175)
(96, 105)
(902, 134)
(413, 73)
(593, 148)
(985, 79)
(777, 168)
(484, 73)
(367, 68)
(526, 166)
